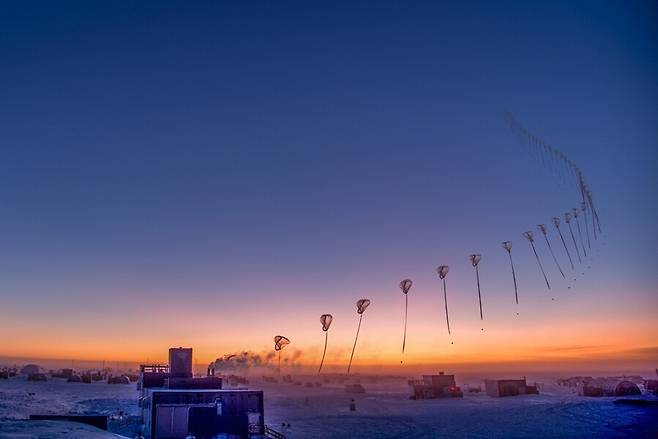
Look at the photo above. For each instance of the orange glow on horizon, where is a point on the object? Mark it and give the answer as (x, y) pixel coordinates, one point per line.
(559, 334)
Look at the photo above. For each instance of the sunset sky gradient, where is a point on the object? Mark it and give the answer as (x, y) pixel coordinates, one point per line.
(212, 175)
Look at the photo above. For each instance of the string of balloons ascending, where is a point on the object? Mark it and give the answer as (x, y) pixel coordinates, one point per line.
(405, 285)
(569, 217)
(566, 171)
(561, 166)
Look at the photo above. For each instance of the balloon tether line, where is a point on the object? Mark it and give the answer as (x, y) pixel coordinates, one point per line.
(326, 338)
(404, 338)
(349, 366)
(540, 266)
(516, 293)
(445, 300)
(477, 277)
(550, 249)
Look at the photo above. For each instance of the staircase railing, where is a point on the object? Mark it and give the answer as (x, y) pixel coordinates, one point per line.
(273, 434)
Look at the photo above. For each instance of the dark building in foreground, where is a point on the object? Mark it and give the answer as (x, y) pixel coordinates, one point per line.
(509, 388)
(175, 413)
(435, 386)
(174, 404)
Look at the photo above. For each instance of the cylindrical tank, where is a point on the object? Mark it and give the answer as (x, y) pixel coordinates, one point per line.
(626, 388)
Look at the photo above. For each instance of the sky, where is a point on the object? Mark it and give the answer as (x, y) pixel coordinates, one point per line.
(214, 174)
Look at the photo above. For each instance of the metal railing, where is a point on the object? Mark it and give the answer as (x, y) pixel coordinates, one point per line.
(273, 434)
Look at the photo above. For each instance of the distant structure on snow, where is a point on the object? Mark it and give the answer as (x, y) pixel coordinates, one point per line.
(435, 386)
(500, 388)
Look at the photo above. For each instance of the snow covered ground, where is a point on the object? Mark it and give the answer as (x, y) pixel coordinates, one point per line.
(19, 398)
(51, 430)
(384, 411)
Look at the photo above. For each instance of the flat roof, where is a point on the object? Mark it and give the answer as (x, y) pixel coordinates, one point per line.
(507, 379)
(160, 390)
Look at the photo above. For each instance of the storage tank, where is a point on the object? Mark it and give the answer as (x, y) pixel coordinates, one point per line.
(609, 387)
(627, 388)
(180, 362)
(30, 369)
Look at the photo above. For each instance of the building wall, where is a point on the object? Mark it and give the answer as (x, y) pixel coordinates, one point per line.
(235, 405)
(491, 387)
(439, 381)
(498, 388)
(180, 362)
